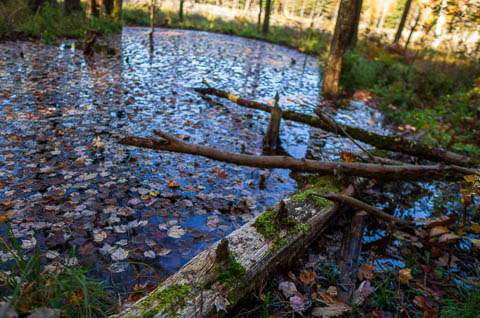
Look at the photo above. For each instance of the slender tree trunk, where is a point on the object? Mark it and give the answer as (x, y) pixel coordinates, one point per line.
(398, 35)
(72, 5)
(259, 21)
(247, 6)
(117, 9)
(312, 11)
(302, 10)
(285, 8)
(386, 6)
(440, 22)
(412, 30)
(180, 11)
(235, 5)
(266, 19)
(91, 8)
(342, 37)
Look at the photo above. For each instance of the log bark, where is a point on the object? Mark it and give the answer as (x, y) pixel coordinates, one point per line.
(404, 172)
(258, 255)
(349, 257)
(271, 140)
(392, 143)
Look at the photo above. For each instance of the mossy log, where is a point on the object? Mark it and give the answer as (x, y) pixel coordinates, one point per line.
(391, 143)
(404, 172)
(202, 287)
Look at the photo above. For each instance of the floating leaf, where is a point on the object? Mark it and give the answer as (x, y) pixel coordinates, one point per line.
(119, 254)
(176, 231)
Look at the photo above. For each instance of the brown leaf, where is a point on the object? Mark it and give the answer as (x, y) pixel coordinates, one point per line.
(438, 230)
(365, 271)
(307, 277)
(332, 310)
(448, 238)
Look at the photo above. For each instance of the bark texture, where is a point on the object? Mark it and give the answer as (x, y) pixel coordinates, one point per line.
(266, 19)
(392, 143)
(271, 140)
(72, 5)
(91, 8)
(405, 172)
(342, 38)
(117, 9)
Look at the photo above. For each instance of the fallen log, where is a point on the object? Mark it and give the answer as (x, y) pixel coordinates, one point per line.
(390, 172)
(391, 143)
(216, 279)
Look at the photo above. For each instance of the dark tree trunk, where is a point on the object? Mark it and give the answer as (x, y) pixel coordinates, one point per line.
(398, 35)
(342, 37)
(180, 11)
(35, 4)
(106, 6)
(91, 8)
(72, 5)
(259, 22)
(356, 23)
(117, 9)
(266, 19)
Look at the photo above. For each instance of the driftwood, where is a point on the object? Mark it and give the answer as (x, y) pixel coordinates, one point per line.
(205, 295)
(392, 143)
(271, 140)
(364, 206)
(404, 172)
(349, 257)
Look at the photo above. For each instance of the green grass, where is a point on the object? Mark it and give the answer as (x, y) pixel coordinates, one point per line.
(49, 23)
(67, 287)
(467, 306)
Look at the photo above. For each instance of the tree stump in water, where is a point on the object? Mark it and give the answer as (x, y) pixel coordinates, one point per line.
(271, 140)
(89, 41)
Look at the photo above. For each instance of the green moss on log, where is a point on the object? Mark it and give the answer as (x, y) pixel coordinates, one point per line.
(265, 225)
(321, 185)
(231, 271)
(171, 299)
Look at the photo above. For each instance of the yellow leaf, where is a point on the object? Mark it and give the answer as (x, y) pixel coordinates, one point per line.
(476, 228)
(9, 118)
(438, 230)
(405, 275)
(448, 238)
(173, 184)
(153, 193)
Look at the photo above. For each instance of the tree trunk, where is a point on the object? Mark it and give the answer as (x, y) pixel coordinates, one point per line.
(440, 22)
(247, 6)
(259, 21)
(398, 35)
(72, 5)
(235, 5)
(356, 23)
(392, 143)
(342, 37)
(412, 30)
(180, 11)
(91, 8)
(404, 172)
(257, 256)
(386, 6)
(302, 9)
(266, 19)
(117, 9)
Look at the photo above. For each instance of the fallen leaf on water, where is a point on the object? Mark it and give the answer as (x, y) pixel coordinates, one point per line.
(119, 254)
(176, 231)
(173, 184)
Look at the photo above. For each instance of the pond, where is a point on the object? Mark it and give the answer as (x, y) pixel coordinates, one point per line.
(136, 214)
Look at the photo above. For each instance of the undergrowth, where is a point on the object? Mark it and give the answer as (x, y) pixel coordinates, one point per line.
(438, 96)
(28, 283)
(49, 22)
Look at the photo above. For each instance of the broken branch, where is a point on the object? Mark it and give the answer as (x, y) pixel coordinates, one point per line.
(392, 143)
(405, 172)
